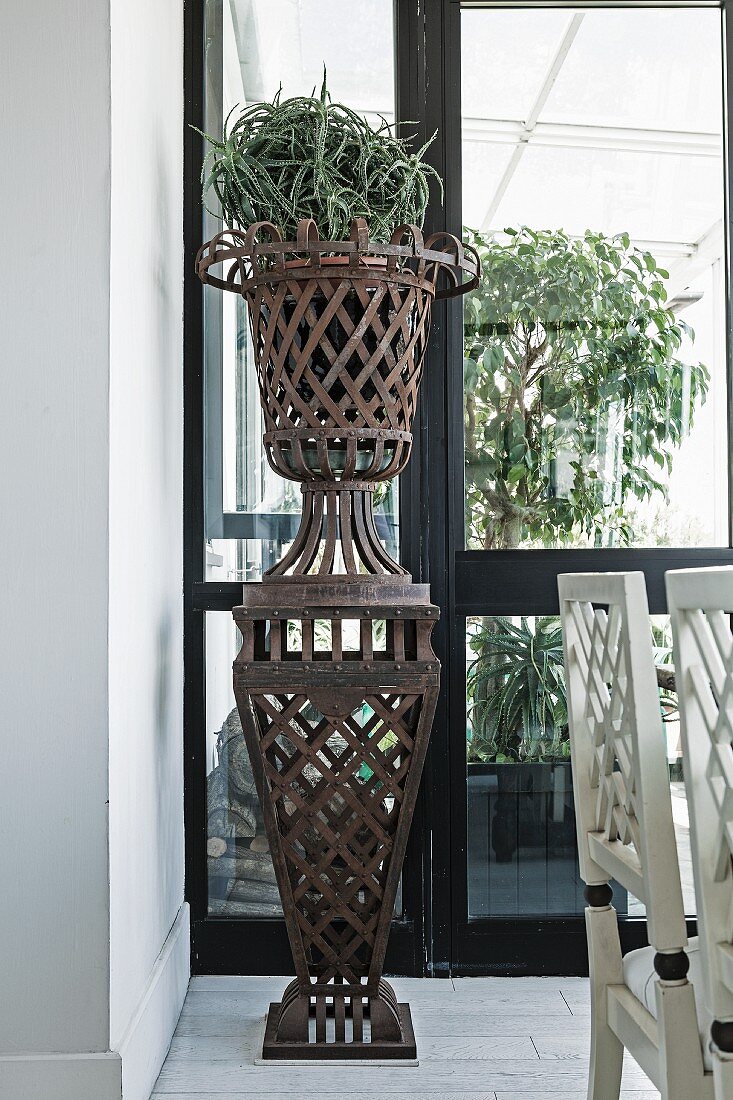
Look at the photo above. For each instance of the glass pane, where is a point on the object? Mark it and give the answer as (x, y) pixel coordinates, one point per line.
(240, 871)
(522, 854)
(594, 357)
(253, 48)
(281, 43)
(241, 876)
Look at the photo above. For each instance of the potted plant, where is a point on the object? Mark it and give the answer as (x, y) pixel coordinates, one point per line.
(308, 157)
(337, 736)
(323, 217)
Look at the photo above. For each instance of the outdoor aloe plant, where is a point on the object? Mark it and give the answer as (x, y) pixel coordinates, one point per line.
(517, 703)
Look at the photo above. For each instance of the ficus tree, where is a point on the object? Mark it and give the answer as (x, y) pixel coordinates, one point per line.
(576, 398)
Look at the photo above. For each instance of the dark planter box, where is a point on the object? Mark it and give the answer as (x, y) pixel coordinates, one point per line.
(522, 850)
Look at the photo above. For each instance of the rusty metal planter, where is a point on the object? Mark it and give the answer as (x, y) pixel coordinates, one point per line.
(336, 681)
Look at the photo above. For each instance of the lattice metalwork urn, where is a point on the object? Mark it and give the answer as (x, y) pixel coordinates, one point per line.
(336, 681)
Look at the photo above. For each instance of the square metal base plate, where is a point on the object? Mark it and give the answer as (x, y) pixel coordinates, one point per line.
(386, 1053)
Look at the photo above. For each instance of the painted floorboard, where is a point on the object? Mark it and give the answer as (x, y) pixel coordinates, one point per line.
(351, 1096)
(438, 1076)
(464, 1048)
(478, 1039)
(544, 1003)
(431, 1024)
(643, 1094)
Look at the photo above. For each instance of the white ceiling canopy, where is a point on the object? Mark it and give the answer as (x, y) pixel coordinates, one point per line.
(608, 119)
(597, 119)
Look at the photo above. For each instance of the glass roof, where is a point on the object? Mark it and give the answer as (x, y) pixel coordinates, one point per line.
(609, 120)
(650, 196)
(603, 119)
(504, 57)
(643, 68)
(647, 68)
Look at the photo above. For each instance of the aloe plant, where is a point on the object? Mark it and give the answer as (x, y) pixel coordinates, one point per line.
(517, 704)
(309, 157)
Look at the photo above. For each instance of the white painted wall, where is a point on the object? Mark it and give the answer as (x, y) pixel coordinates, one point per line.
(93, 932)
(54, 353)
(146, 442)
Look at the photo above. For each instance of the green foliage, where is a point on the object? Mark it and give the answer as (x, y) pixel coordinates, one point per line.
(663, 650)
(575, 397)
(517, 705)
(308, 157)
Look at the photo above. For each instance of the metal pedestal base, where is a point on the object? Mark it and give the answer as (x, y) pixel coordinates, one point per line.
(319, 1029)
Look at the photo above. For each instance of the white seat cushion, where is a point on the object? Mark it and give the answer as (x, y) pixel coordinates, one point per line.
(640, 977)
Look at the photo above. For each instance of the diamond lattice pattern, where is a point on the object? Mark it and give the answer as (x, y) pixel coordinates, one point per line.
(342, 354)
(711, 681)
(337, 787)
(603, 658)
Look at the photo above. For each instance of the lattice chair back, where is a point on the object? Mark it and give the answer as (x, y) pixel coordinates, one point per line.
(621, 781)
(700, 603)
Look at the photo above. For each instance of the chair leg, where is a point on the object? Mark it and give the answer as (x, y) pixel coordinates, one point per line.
(723, 1076)
(681, 1067)
(606, 1050)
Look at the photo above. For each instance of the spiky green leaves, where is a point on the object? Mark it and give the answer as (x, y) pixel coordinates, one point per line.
(308, 157)
(517, 702)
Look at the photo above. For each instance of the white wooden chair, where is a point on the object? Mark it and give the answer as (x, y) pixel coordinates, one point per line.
(642, 1001)
(700, 603)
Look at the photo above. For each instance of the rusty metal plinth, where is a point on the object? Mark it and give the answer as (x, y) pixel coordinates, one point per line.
(340, 1023)
(336, 682)
(336, 702)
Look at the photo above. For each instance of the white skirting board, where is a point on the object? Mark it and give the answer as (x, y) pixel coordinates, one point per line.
(145, 1044)
(61, 1076)
(130, 1072)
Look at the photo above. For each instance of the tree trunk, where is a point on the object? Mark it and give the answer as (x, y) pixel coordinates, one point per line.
(510, 537)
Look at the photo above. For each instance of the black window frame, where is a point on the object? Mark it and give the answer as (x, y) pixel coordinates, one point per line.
(436, 936)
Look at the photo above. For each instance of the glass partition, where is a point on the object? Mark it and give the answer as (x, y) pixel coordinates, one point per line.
(521, 846)
(522, 852)
(255, 48)
(594, 350)
(595, 392)
(594, 410)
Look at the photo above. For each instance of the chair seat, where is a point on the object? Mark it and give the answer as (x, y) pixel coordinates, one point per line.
(640, 977)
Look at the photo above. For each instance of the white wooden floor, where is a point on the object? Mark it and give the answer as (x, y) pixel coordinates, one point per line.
(478, 1039)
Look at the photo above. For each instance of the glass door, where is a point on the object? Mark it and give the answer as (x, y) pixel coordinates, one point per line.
(574, 416)
(241, 518)
(595, 411)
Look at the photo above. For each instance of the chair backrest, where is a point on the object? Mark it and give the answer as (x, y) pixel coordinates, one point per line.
(700, 602)
(620, 774)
